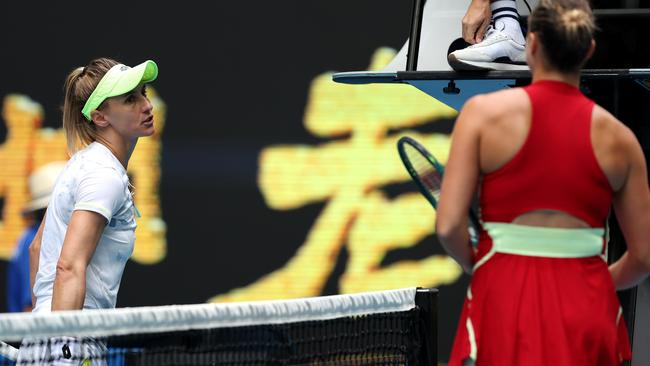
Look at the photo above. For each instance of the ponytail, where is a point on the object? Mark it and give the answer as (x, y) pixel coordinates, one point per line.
(78, 87)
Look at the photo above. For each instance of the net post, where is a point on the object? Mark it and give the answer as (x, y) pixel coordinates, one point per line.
(414, 39)
(426, 299)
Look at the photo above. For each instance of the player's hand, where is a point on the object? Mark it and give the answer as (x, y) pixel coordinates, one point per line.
(476, 21)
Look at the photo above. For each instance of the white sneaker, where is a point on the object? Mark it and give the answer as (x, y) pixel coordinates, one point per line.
(498, 51)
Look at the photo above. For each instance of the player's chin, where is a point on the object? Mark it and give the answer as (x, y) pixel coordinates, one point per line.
(147, 131)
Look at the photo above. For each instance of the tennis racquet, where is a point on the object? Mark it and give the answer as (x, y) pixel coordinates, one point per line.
(427, 173)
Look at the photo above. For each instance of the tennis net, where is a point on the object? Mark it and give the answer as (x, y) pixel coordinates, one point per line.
(396, 327)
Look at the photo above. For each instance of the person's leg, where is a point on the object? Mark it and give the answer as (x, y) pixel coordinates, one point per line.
(506, 18)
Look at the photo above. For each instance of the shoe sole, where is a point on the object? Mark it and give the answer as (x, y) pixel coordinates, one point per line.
(464, 65)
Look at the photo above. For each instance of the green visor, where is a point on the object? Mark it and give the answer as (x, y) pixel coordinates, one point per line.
(120, 79)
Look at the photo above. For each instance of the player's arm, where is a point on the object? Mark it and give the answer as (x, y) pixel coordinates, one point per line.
(34, 254)
(632, 207)
(459, 184)
(81, 238)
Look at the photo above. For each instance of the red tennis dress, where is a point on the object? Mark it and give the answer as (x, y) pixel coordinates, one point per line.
(528, 310)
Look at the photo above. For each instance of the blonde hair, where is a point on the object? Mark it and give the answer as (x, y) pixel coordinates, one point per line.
(565, 29)
(79, 84)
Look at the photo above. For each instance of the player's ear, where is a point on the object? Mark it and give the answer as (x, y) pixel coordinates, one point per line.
(532, 43)
(592, 49)
(99, 118)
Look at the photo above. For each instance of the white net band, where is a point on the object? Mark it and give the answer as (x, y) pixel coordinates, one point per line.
(107, 322)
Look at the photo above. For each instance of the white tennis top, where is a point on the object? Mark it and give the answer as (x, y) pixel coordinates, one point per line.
(93, 180)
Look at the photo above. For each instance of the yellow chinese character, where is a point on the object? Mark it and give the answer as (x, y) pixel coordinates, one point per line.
(349, 174)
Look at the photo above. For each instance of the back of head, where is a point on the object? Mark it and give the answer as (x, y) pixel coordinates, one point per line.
(565, 29)
(79, 85)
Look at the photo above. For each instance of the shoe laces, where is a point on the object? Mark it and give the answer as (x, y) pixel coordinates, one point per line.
(493, 29)
(492, 34)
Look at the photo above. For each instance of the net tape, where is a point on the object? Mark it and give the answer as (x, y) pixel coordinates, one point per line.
(107, 322)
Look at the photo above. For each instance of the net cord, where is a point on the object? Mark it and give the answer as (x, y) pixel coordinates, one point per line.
(152, 319)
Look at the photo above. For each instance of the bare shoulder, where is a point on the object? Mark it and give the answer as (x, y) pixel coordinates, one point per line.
(607, 127)
(493, 107)
(497, 111)
(615, 146)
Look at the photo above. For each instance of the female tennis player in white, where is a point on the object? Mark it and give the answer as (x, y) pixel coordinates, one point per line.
(78, 256)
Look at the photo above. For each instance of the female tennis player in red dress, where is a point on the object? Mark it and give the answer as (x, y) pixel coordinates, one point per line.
(549, 164)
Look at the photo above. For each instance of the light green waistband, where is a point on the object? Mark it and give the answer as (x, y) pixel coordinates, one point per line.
(545, 241)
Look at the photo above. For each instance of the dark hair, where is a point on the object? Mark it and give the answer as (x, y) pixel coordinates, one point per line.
(565, 29)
